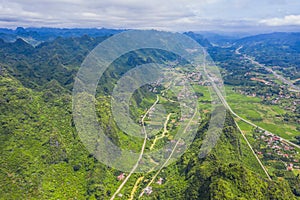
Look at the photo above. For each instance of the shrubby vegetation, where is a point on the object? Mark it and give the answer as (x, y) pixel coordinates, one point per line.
(42, 157)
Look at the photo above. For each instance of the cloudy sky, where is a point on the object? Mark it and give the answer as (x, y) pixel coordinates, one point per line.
(175, 15)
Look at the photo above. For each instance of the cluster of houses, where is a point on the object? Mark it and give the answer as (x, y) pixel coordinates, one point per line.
(260, 80)
(278, 148)
(274, 98)
(194, 76)
(294, 99)
(148, 190)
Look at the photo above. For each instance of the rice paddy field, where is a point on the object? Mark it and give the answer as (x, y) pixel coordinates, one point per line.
(269, 117)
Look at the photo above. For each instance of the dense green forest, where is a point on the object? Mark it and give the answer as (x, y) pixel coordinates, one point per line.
(42, 156)
(276, 49)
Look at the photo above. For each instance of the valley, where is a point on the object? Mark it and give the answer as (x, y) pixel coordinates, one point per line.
(255, 155)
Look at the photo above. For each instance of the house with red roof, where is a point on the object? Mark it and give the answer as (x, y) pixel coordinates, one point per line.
(121, 176)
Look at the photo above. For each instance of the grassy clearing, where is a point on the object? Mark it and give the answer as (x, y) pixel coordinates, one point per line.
(204, 98)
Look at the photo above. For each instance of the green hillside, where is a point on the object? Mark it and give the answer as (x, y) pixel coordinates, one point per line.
(42, 156)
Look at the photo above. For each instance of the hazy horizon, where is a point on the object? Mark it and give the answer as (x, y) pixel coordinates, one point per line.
(207, 15)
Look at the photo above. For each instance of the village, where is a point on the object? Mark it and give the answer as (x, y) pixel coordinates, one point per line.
(275, 152)
(279, 157)
(278, 95)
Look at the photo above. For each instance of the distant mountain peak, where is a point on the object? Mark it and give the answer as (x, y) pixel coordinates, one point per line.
(21, 41)
(20, 30)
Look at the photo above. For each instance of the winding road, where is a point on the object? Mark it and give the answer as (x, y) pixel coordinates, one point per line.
(163, 134)
(246, 121)
(142, 150)
(279, 77)
(224, 102)
(170, 156)
(237, 51)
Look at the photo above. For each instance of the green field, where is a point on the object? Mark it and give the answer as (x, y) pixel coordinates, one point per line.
(269, 117)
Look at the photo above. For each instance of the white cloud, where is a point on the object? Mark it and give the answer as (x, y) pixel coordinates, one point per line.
(164, 15)
(289, 20)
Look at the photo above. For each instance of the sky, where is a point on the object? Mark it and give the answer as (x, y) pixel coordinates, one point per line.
(171, 15)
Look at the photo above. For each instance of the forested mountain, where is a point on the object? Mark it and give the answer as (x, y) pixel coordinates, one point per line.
(275, 49)
(282, 38)
(35, 36)
(58, 59)
(42, 156)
